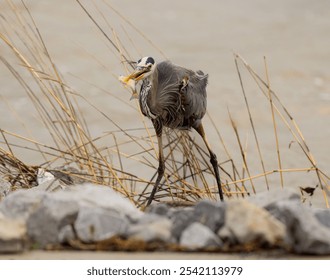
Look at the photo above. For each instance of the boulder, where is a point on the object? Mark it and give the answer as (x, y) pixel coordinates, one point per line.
(181, 219)
(46, 221)
(210, 214)
(96, 224)
(323, 216)
(5, 187)
(247, 223)
(50, 216)
(305, 233)
(206, 212)
(21, 203)
(151, 227)
(198, 236)
(96, 196)
(12, 235)
(267, 198)
(159, 209)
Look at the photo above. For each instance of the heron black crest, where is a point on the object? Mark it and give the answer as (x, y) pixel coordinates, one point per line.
(145, 61)
(150, 60)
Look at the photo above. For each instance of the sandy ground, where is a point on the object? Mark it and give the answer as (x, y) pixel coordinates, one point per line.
(82, 255)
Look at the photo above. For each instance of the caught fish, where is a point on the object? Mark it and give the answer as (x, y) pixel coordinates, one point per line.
(129, 83)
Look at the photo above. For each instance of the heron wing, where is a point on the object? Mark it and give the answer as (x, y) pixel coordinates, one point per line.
(169, 98)
(195, 95)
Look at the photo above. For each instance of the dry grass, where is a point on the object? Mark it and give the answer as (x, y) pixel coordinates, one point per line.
(72, 147)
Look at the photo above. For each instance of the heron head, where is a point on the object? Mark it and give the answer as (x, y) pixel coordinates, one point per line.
(144, 68)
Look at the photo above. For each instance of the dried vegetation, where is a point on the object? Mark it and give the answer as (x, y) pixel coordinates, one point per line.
(76, 152)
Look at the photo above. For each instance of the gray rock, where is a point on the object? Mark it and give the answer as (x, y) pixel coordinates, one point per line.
(49, 215)
(304, 231)
(267, 198)
(90, 195)
(45, 223)
(96, 224)
(66, 234)
(323, 215)
(5, 187)
(103, 212)
(12, 235)
(198, 236)
(181, 219)
(210, 214)
(51, 185)
(159, 209)
(44, 176)
(20, 204)
(151, 227)
(248, 223)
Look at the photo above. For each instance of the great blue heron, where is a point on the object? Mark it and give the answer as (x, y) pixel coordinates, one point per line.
(174, 97)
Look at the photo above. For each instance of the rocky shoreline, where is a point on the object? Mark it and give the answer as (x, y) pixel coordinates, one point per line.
(89, 214)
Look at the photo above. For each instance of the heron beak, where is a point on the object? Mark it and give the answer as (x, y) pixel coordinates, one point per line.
(138, 74)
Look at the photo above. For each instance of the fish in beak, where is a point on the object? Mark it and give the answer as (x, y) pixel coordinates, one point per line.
(131, 84)
(131, 80)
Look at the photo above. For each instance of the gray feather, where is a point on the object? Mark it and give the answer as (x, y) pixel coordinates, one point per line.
(166, 101)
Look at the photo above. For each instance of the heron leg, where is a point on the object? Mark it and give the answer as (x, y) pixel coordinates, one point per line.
(161, 164)
(213, 158)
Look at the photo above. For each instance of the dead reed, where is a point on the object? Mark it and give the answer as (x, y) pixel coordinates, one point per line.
(76, 152)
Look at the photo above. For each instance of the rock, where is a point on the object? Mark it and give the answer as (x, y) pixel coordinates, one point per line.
(304, 231)
(323, 215)
(91, 195)
(66, 234)
(180, 220)
(51, 185)
(46, 221)
(226, 236)
(5, 187)
(159, 209)
(267, 198)
(103, 212)
(96, 224)
(210, 214)
(20, 204)
(198, 236)
(66, 175)
(50, 215)
(12, 235)
(248, 223)
(44, 176)
(151, 227)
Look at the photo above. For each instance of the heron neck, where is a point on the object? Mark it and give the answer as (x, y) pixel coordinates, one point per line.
(153, 80)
